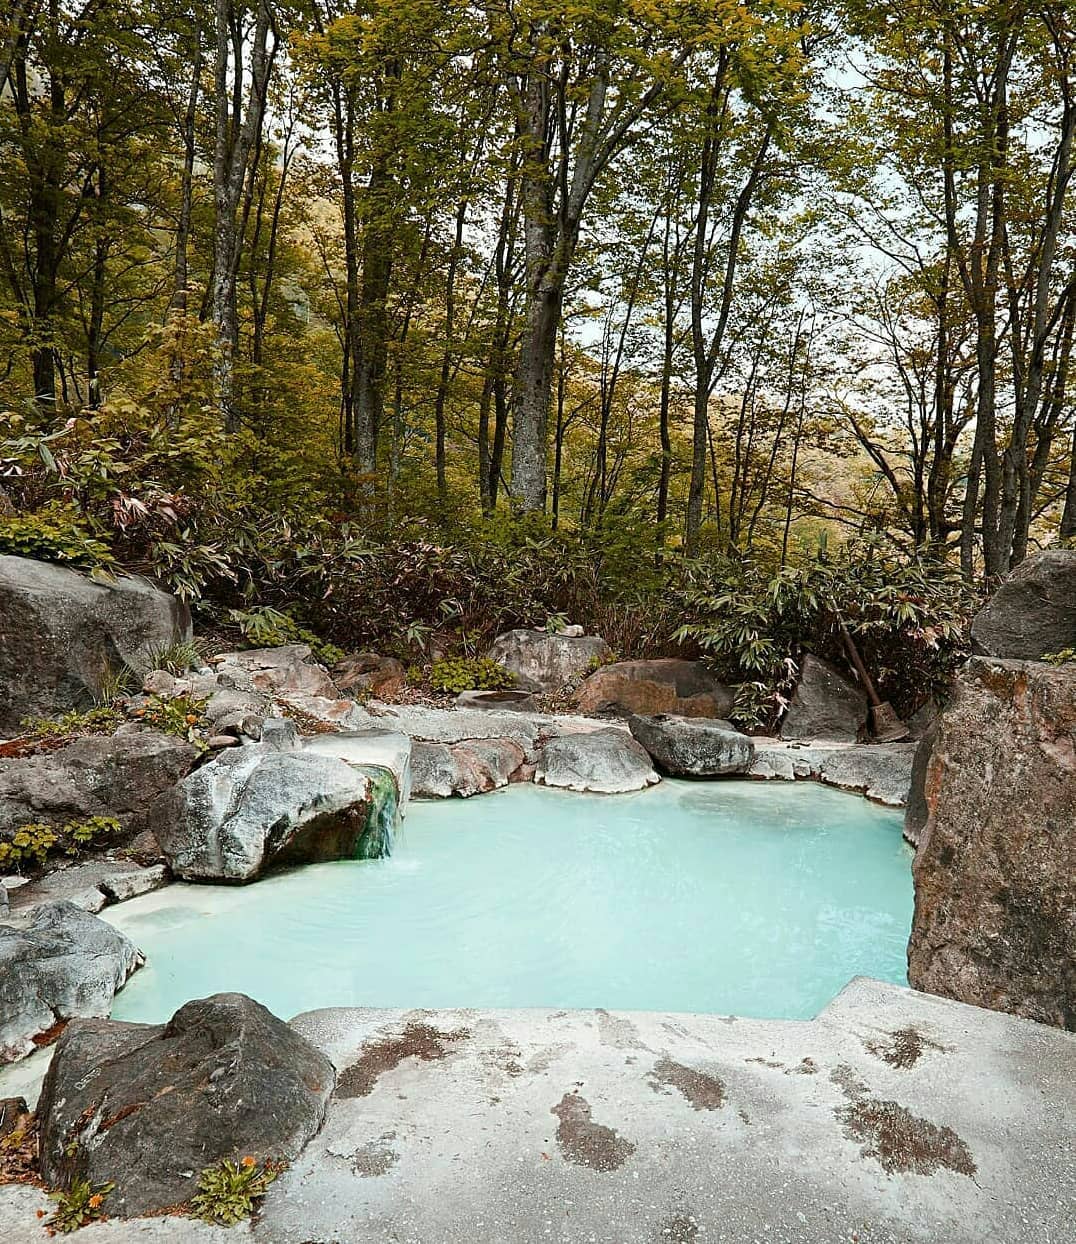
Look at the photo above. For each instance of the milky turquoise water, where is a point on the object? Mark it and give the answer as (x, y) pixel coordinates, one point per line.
(729, 897)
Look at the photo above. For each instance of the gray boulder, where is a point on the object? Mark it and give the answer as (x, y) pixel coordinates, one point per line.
(827, 706)
(252, 807)
(693, 746)
(439, 770)
(666, 685)
(542, 661)
(63, 635)
(608, 762)
(149, 1107)
(64, 963)
(880, 771)
(917, 812)
(118, 775)
(995, 872)
(1033, 613)
(287, 670)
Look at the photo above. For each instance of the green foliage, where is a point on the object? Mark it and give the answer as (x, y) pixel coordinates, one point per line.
(230, 1191)
(908, 616)
(183, 716)
(102, 719)
(265, 627)
(1063, 657)
(456, 674)
(177, 657)
(34, 842)
(53, 536)
(78, 1206)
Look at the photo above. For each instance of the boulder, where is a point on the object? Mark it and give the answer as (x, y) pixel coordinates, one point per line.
(287, 670)
(1033, 613)
(880, 771)
(63, 635)
(252, 807)
(607, 762)
(366, 673)
(693, 746)
(460, 725)
(116, 775)
(150, 1106)
(995, 872)
(62, 964)
(470, 768)
(386, 749)
(542, 661)
(826, 705)
(681, 688)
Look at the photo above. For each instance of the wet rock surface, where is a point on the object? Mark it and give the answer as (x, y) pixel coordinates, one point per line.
(995, 872)
(253, 807)
(693, 746)
(547, 661)
(603, 761)
(683, 688)
(880, 771)
(62, 964)
(1033, 613)
(827, 705)
(148, 1107)
(63, 635)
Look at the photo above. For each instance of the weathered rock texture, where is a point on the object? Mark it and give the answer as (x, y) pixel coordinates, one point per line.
(64, 963)
(693, 746)
(608, 762)
(118, 776)
(470, 768)
(995, 873)
(917, 811)
(683, 688)
(881, 771)
(252, 807)
(63, 635)
(150, 1106)
(1033, 613)
(369, 674)
(826, 705)
(542, 661)
(285, 670)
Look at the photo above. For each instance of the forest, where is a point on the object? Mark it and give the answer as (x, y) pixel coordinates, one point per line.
(702, 323)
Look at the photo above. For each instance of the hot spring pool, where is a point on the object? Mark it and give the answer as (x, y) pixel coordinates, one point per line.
(736, 898)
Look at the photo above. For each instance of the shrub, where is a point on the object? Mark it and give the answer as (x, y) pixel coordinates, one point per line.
(34, 842)
(54, 537)
(229, 1191)
(182, 716)
(456, 674)
(265, 627)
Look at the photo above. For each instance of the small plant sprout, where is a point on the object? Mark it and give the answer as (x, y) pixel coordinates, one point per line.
(78, 1206)
(229, 1191)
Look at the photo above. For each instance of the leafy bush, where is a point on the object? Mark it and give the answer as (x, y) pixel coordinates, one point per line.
(54, 537)
(34, 842)
(78, 1206)
(229, 1191)
(456, 674)
(265, 627)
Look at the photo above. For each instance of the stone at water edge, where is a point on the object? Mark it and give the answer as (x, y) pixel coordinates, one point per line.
(543, 661)
(252, 807)
(608, 762)
(1033, 613)
(693, 746)
(474, 767)
(149, 1107)
(667, 685)
(65, 963)
(995, 872)
(827, 706)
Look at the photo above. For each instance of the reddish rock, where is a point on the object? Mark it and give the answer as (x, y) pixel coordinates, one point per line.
(995, 873)
(369, 673)
(681, 688)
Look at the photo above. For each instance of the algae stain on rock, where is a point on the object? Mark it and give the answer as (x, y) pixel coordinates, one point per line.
(421, 1041)
(901, 1142)
(703, 1091)
(904, 1047)
(585, 1142)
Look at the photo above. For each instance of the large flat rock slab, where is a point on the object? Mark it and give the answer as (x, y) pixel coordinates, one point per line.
(893, 1118)
(881, 771)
